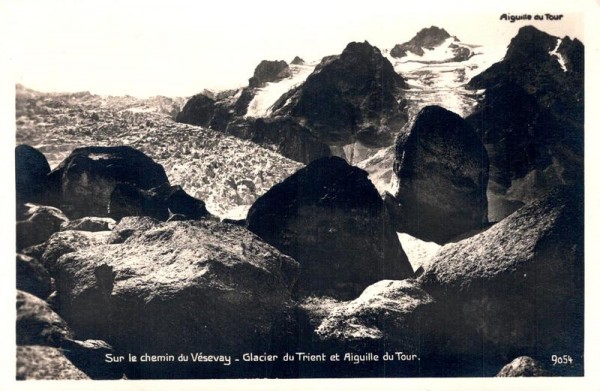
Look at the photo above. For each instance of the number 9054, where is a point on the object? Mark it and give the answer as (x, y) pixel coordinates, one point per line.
(561, 360)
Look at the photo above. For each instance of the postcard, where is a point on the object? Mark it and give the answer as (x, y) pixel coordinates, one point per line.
(309, 194)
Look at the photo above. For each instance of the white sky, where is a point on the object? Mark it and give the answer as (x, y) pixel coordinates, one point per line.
(178, 47)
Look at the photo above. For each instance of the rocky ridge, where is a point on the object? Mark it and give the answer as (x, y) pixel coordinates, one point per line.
(531, 118)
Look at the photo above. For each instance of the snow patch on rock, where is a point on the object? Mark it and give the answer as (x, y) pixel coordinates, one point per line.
(559, 57)
(419, 252)
(266, 97)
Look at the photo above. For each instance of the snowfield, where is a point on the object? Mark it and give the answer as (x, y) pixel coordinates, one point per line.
(266, 97)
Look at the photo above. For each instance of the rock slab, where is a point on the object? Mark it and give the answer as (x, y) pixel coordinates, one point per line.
(194, 286)
(442, 171)
(517, 287)
(330, 218)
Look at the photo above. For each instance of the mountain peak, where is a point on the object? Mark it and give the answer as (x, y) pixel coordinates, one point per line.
(269, 71)
(530, 44)
(359, 47)
(430, 36)
(428, 39)
(297, 61)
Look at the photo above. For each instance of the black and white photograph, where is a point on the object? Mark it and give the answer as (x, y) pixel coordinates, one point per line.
(297, 191)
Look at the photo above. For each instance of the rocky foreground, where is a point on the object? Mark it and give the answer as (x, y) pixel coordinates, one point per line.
(148, 248)
(316, 267)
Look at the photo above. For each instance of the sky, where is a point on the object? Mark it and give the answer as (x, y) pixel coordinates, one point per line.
(179, 47)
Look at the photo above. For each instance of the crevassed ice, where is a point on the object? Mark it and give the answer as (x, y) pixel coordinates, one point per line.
(436, 79)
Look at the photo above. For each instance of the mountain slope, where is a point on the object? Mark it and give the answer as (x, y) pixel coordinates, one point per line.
(531, 118)
(353, 96)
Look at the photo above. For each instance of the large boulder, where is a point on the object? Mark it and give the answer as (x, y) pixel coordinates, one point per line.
(269, 71)
(31, 169)
(37, 224)
(199, 110)
(32, 277)
(87, 177)
(385, 314)
(64, 242)
(37, 324)
(442, 173)
(330, 218)
(160, 203)
(523, 367)
(45, 363)
(385, 319)
(515, 289)
(179, 287)
(350, 97)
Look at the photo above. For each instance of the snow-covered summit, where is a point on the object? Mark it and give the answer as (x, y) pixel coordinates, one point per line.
(438, 74)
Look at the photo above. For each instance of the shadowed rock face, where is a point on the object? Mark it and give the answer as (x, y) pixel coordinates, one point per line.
(199, 110)
(426, 38)
(160, 203)
(37, 324)
(442, 170)
(531, 118)
(516, 288)
(88, 176)
(45, 363)
(290, 138)
(194, 286)
(348, 95)
(268, 71)
(547, 67)
(31, 169)
(37, 224)
(530, 150)
(330, 218)
(32, 277)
